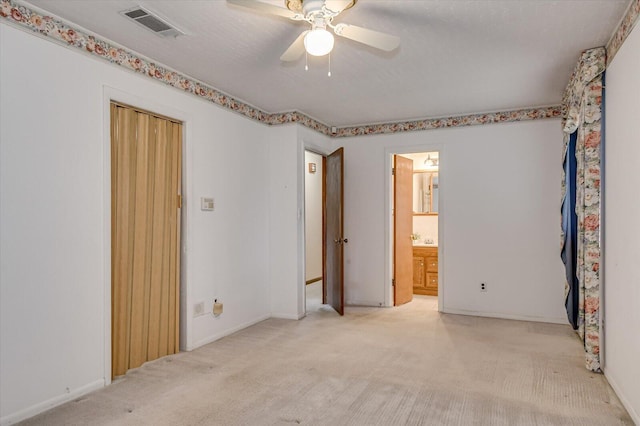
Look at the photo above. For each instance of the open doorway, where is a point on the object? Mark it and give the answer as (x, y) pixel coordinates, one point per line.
(415, 225)
(314, 226)
(324, 218)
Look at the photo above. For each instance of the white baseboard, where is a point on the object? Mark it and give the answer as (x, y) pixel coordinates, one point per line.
(287, 316)
(563, 321)
(51, 403)
(232, 330)
(625, 402)
(61, 399)
(367, 303)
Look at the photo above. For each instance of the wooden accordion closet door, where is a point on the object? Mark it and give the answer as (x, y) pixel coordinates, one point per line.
(145, 237)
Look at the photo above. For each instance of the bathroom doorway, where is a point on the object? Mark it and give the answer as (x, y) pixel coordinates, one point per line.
(416, 252)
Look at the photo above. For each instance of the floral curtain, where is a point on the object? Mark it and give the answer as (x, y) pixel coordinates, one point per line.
(582, 113)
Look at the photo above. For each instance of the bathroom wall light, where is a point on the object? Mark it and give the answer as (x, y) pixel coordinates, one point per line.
(431, 162)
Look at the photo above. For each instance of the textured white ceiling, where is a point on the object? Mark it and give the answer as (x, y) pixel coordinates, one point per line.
(456, 56)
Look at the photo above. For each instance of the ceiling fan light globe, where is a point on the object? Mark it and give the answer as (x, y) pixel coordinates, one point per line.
(318, 42)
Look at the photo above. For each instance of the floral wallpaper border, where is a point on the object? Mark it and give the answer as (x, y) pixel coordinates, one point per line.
(63, 33)
(624, 29)
(17, 14)
(460, 121)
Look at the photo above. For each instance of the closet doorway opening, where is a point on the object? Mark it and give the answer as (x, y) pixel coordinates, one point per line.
(146, 202)
(324, 238)
(314, 199)
(415, 229)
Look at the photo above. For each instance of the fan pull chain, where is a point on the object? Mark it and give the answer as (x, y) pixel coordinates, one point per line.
(306, 61)
(329, 73)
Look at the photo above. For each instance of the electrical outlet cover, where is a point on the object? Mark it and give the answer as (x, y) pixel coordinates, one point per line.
(198, 309)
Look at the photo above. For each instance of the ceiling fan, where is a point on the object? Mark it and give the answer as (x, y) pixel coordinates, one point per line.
(318, 41)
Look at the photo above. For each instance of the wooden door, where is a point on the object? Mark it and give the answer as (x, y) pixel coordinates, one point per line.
(402, 229)
(145, 227)
(334, 238)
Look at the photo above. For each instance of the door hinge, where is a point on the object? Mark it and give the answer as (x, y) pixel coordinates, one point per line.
(393, 282)
(393, 171)
(179, 201)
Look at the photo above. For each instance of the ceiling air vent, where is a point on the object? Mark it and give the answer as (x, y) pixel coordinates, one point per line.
(152, 21)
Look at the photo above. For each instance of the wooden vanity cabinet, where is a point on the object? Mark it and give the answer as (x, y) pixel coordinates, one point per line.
(425, 270)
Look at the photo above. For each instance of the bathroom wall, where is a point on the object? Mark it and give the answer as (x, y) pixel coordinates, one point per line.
(427, 227)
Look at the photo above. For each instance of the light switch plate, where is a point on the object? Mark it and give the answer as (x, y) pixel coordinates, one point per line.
(206, 204)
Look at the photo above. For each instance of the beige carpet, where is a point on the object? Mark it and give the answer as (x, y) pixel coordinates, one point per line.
(407, 365)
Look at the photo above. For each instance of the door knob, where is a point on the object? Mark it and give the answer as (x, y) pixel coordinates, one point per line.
(338, 241)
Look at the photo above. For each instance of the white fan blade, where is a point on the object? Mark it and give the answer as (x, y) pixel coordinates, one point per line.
(296, 49)
(371, 38)
(265, 8)
(337, 5)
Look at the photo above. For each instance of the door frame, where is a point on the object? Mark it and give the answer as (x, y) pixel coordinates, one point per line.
(389, 152)
(302, 283)
(304, 225)
(112, 94)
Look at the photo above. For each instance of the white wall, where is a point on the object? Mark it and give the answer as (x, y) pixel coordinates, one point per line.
(54, 246)
(286, 216)
(313, 216)
(621, 225)
(500, 196)
(286, 262)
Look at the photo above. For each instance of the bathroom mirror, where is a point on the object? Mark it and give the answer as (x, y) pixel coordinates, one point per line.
(425, 193)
